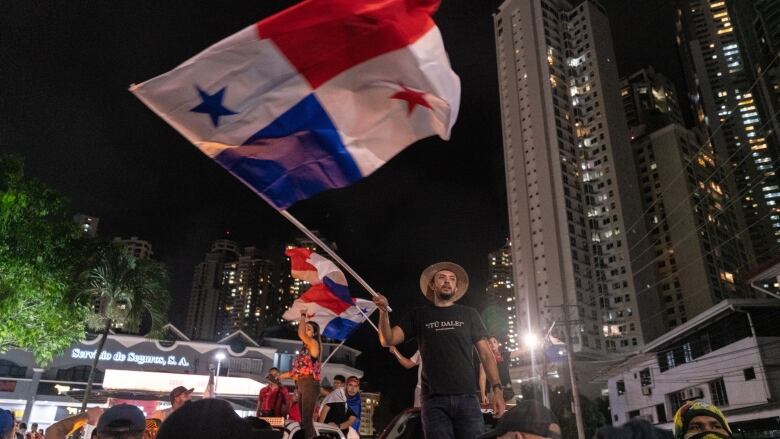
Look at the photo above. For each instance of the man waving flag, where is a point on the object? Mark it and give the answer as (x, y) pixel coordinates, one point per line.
(315, 97)
(327, 302)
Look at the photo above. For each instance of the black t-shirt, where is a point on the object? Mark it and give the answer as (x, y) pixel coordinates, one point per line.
(446, 337)
(338, 413)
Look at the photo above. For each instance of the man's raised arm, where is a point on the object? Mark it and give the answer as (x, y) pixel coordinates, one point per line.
(387, 336)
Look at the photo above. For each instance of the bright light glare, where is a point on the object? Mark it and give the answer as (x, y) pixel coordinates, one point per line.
(530, 340)
(220, 356)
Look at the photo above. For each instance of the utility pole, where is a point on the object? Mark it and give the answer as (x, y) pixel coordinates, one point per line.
(574, 389)
(545, 385)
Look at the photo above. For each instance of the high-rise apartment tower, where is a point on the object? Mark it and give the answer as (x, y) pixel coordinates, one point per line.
(574, 207)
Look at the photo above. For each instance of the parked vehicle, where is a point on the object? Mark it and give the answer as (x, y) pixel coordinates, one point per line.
(293, 430)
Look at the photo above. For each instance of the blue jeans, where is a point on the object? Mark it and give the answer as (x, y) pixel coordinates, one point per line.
(451, 417)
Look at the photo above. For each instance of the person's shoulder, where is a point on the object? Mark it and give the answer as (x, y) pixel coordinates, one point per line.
(464, 308)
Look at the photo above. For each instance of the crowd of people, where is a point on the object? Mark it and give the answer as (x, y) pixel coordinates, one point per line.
(447, 393)
(215, 418)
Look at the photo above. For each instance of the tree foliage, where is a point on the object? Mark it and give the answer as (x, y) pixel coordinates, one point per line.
(128, 289)
(41, 309)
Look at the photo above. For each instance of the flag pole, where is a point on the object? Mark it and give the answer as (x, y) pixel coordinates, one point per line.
(335, 257)
(332, 352)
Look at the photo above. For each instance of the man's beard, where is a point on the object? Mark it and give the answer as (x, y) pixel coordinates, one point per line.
(446, 295)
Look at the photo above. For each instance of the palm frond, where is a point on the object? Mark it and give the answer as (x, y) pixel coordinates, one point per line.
(129, 288)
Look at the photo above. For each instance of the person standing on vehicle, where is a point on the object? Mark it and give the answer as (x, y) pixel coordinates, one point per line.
(306, 372)
(446, 334)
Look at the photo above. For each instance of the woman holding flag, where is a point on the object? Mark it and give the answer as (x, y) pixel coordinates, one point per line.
(306, 372)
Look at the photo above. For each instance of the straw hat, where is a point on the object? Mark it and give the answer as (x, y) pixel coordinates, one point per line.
(460, 274)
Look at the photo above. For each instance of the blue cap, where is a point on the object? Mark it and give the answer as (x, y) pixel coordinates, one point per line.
(122, 417)
(6, 422)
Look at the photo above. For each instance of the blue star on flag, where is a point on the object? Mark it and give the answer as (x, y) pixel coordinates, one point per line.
(212, 105)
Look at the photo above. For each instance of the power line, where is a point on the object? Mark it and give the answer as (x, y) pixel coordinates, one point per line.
(704, 224)
(682, 202)
(705, 143)
(705, 288)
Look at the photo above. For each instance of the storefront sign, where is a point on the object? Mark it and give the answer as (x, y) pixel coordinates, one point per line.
(163, 382)
(130, 357)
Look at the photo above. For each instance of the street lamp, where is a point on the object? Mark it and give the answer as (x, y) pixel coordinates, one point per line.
(530, 340)
(220, 356)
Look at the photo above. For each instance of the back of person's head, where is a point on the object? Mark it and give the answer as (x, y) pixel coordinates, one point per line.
(257, 423)
(7, 424)
(122, 421)
(633, 429)
(208, 418)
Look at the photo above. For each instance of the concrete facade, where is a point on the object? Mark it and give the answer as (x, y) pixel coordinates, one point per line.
(726, 356)
(694, 235)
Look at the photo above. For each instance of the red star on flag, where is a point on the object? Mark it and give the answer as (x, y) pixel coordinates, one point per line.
(413, 98)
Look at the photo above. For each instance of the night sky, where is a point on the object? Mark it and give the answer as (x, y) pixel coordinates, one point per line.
(64, 106)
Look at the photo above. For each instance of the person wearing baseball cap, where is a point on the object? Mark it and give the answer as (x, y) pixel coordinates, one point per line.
(699, 420)
(446, 334)
(528, 420)
(179, 396)
(122, 421)
(211, 418)
(7, 425)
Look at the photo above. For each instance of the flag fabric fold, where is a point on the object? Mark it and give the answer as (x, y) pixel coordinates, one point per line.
(315, 97)
(327, 302)
(555, 350)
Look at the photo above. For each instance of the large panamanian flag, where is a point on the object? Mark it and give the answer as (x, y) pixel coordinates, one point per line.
(314, 97)
(327, 302)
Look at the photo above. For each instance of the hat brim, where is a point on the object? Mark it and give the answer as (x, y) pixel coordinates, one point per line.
(186, 391)
(460, 274)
